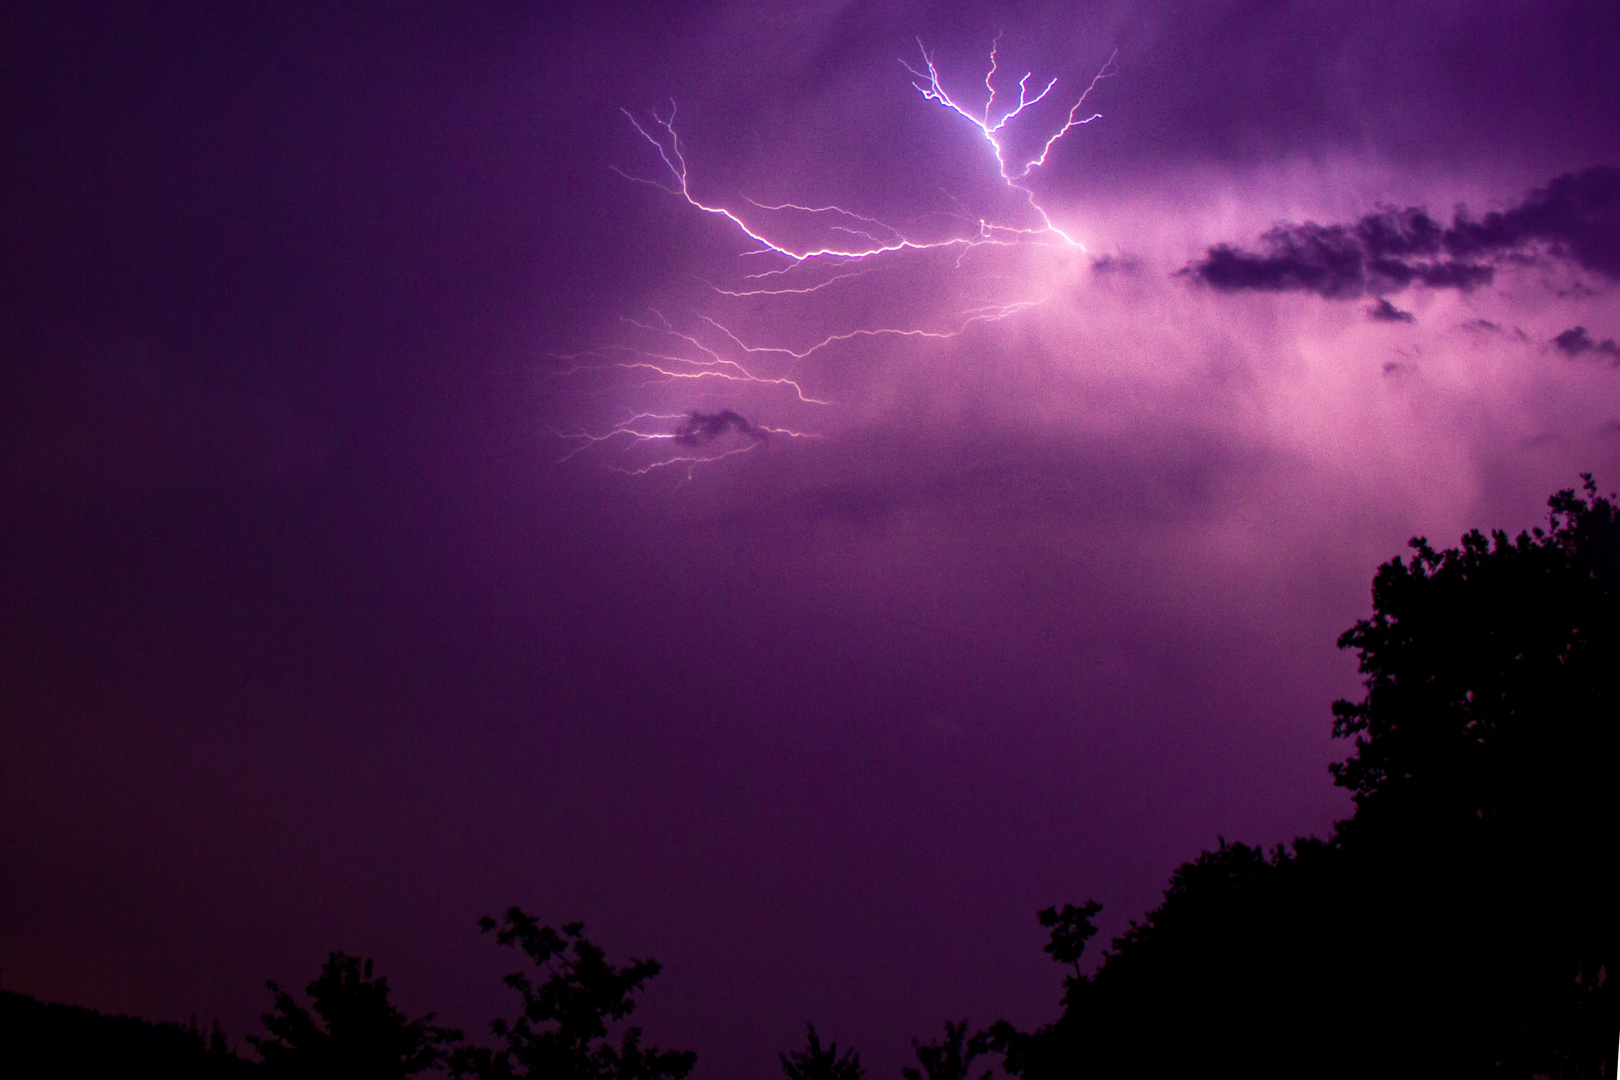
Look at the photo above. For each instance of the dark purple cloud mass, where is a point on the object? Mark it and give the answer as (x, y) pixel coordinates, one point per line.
(1384, 311)
(408, 515)
(1575, 218)
(700, 428)
(1578, 341)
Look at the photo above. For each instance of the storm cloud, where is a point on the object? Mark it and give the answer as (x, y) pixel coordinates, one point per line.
(1575, 218)
(1002, 581)
(1384, 311)
(700, 428)
(1578, 341)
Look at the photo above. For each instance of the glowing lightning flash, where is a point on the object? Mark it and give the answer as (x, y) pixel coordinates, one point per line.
(695, 431)
(848, 245)
(934, 91)
(878, 236)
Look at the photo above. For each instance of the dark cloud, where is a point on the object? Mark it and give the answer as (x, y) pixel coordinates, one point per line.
(1400, 233)
(1486, 326)
(1577, 341)
(700, 428)
(1330, 260)
(1576, 217)
(1384, 311)
(1115, 264)
(1303, 258)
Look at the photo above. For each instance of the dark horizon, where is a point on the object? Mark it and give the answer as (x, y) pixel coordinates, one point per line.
(327, 627)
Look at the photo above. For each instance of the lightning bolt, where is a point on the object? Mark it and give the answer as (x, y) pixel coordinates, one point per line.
(929, 86)
(694, 429)
(844, 246)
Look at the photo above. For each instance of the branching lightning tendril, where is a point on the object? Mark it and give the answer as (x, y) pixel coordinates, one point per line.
(842, 246)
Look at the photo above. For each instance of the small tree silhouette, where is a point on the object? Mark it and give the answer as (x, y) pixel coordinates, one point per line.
(950, 1058)
(360, 1034)
(561, 1033)
(816, 1062)
(1071, 928)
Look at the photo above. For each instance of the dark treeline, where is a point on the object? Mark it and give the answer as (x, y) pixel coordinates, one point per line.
(39, 1040)
(1462, 923)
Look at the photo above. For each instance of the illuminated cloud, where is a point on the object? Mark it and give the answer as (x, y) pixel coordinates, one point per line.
(779, 322)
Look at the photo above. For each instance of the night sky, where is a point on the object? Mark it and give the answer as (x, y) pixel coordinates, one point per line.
(404, 516)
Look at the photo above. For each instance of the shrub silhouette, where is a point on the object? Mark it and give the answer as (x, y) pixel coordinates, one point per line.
(561, 1033)
(816, 1062)
(952, 1057)
(359, 1034)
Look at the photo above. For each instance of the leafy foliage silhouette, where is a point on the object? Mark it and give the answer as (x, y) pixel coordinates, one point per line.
(1489, 732)
(359, 1035)
(1460, 923)
(1071, 928)
(817, 1062)
(950, 1058)
(562, 1031)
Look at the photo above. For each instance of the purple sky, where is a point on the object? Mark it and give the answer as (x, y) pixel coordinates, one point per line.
(311, 640)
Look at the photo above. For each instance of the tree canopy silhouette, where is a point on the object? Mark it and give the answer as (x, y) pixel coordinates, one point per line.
(1489, 732)
(1461, 922)
(817, 1062)
(562, 1030)
(1071, 928)
(950, 1058)
(42, 1041)
(359, 1035)
(1491, 674)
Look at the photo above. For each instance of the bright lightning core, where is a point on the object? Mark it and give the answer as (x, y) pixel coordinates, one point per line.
(768, 334)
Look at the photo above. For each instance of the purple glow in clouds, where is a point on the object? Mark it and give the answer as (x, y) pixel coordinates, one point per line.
(824, 247)
(1005, 480)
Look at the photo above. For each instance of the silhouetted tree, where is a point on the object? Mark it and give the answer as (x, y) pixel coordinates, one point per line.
(1461, 922)
(40, 1041)
(816, 1062)
(1491, 669)
(359, 1035)
(561, 1033)
(1483, 770)
(950, 1058)
(1071, 927)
